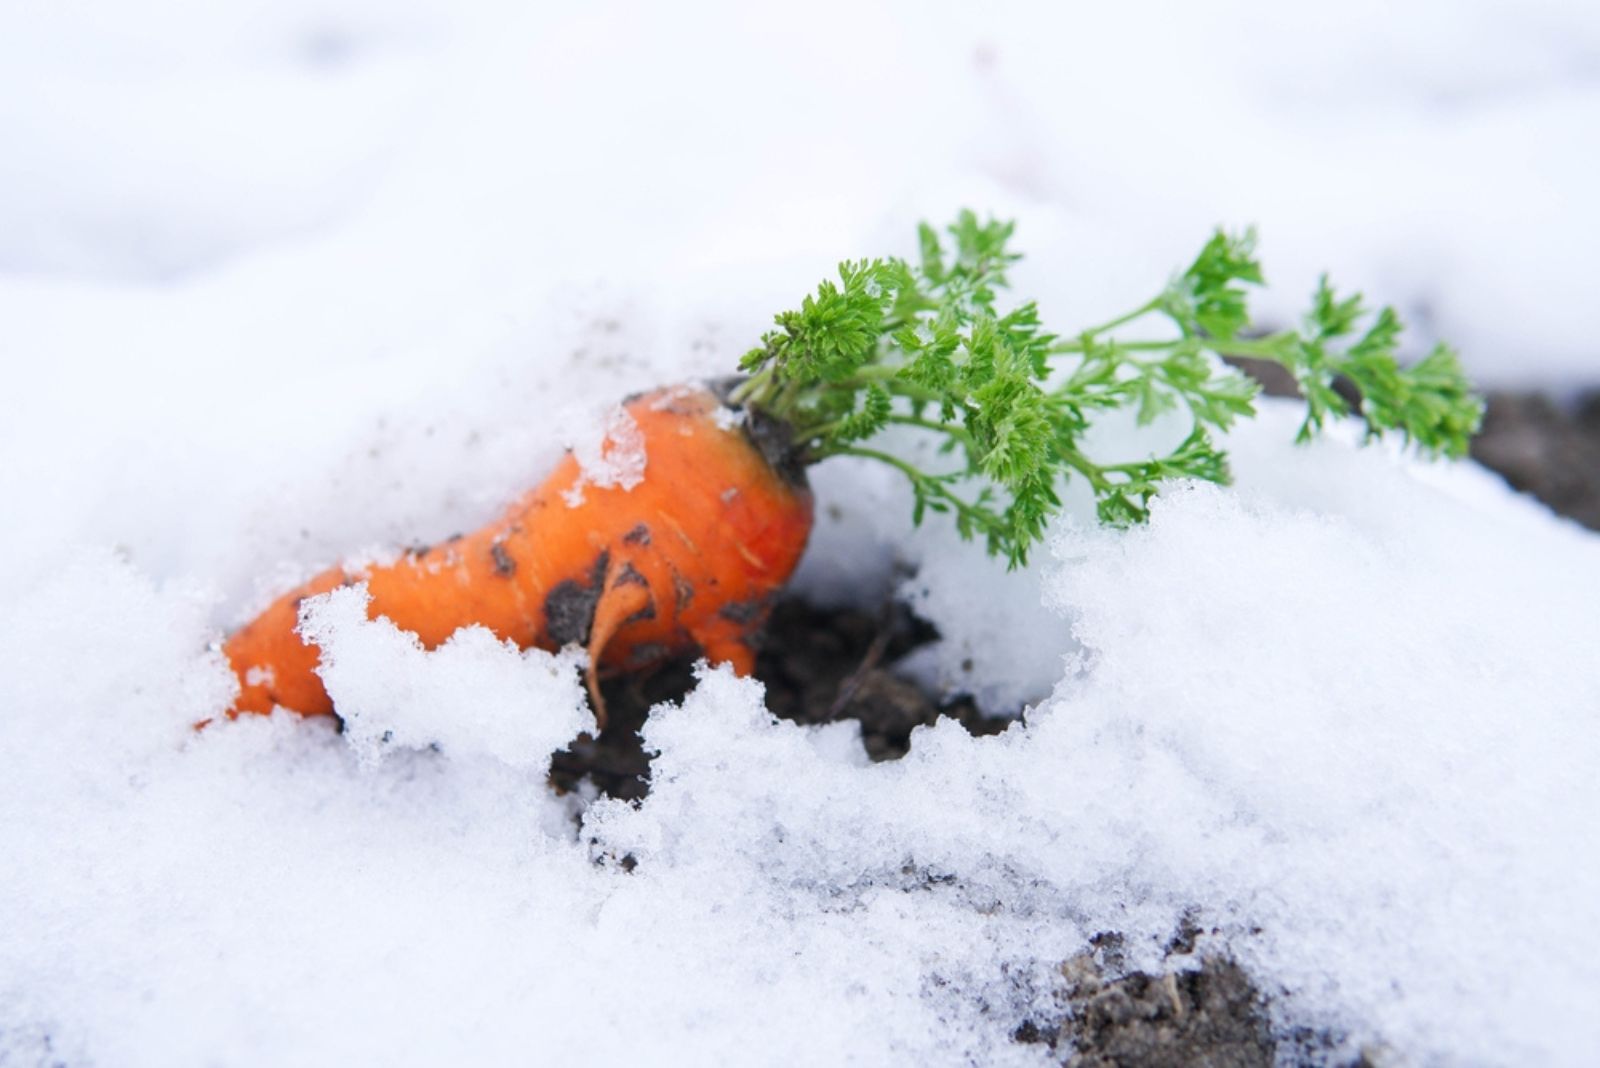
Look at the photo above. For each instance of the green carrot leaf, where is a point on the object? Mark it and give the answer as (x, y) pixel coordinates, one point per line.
(928, 349)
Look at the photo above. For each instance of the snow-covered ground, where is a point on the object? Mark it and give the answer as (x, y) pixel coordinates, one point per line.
(279, 285)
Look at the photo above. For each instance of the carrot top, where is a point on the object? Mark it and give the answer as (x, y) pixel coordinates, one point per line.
(929, 346)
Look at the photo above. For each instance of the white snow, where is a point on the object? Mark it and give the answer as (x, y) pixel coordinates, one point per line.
(287, 284)
(473, 696)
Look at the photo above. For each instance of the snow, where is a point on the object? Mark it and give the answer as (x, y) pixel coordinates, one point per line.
(475, 695)
(285, 285)
(1350, 742)
(615, 456)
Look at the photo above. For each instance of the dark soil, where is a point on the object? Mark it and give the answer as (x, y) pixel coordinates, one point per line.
(1212, 1017)
(818, 665)
(821, 665)
(1545, 449)
(1201, 1009)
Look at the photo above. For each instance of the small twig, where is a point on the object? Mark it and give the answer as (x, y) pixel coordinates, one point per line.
(875, 651)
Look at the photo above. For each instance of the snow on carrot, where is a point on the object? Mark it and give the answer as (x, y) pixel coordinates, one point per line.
(687, 547)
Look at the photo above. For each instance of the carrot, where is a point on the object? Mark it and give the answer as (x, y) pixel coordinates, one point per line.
(690, 557)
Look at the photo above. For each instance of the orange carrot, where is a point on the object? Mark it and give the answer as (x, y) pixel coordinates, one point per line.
(689, 557)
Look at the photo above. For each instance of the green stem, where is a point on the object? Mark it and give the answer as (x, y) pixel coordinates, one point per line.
(1081, 464)
(1078, 346)
(1137, 313)
(754, 389)
(957, 432)
(875, 373)
(1265, 348)
(917, 477)
(1262, 348)
(899, 389)
(826, 430)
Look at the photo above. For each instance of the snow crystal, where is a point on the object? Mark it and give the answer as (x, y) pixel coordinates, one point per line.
(614, 457)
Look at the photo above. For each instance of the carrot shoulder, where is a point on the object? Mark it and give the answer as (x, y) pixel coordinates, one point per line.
(689, 557)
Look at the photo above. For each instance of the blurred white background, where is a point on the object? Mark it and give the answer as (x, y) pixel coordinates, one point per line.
(389, 155)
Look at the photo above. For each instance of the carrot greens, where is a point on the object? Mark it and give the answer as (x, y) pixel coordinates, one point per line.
(928, 345)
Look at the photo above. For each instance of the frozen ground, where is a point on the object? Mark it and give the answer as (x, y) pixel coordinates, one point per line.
(279, 286)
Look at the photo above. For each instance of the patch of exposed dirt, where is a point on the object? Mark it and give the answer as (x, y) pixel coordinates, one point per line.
(819, 665)
(1212, 1016)
(1201, 1008)
(1546, 449)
